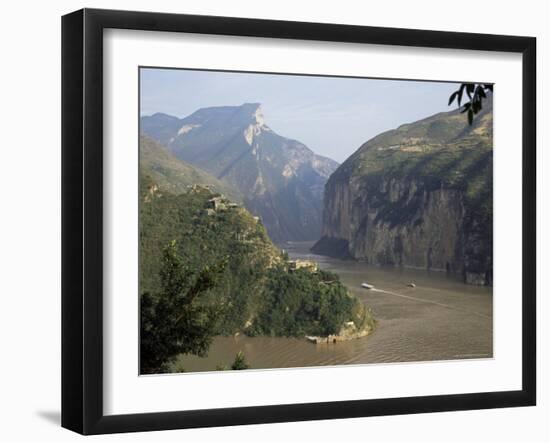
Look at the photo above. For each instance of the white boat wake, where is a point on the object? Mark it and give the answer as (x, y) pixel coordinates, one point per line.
(424, 300)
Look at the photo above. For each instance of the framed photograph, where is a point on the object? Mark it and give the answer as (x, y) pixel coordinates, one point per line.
(269, 221)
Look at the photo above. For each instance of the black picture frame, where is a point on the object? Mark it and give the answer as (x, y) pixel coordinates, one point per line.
(82, 218)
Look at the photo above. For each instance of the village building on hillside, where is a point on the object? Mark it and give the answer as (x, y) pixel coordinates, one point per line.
(310, 265)
(197, 189)
(217, 203)
(220, 203)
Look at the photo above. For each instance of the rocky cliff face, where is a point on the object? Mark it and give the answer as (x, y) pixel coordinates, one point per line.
(280, 179)
(417, 196)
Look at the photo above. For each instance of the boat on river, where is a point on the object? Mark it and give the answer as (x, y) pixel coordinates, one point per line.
(367, 286)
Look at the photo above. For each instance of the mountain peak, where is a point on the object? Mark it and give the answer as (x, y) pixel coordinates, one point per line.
(252, 106)
(257, 114)
(255, 109)
(280, 179)
(239, 115)
(163, 116)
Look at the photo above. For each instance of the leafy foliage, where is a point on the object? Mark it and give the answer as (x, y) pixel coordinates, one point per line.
(172, 322)
(240, 362)
(301, 303)
(476, 93)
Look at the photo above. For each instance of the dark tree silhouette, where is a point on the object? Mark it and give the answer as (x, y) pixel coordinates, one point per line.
(476, 93)
(174, 321)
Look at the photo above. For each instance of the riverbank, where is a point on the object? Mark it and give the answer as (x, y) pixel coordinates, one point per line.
(345, 335)
(351, 330)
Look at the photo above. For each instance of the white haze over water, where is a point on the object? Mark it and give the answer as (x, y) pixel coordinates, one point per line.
(332, 116)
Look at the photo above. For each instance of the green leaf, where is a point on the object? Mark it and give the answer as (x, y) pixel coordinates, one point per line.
(452, 97)
(476, 106)
(460, 92)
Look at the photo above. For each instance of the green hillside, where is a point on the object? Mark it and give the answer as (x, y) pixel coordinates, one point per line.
(175, 175)
(442, 149)
(255, 290)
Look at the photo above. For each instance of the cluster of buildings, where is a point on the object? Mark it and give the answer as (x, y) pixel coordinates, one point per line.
(310, 265)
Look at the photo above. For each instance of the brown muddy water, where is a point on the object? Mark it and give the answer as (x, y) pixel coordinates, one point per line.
(440, 319)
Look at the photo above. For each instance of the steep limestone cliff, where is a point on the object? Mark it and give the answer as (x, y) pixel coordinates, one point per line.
(420, 196)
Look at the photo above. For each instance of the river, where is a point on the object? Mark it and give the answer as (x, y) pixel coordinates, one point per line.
(440, 319)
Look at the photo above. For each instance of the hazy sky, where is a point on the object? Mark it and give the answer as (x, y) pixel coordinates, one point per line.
(332, 116)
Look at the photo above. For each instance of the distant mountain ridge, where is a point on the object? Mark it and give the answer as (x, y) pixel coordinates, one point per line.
(280, 179)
